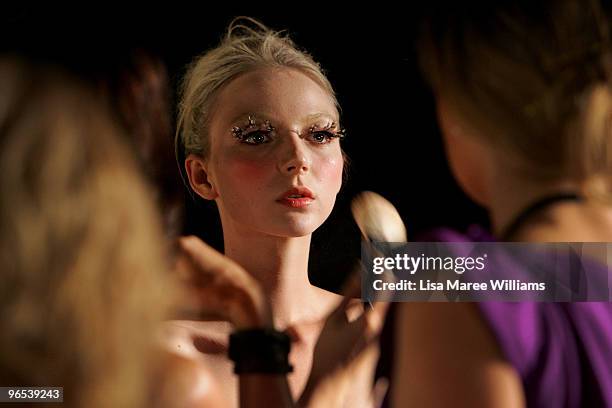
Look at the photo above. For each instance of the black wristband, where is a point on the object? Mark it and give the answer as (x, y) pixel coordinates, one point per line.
(264, 351)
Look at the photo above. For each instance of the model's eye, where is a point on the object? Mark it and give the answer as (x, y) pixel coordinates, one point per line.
(322, 136)
(256, 137)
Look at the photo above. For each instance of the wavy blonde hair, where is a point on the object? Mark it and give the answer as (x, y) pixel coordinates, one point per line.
(81, 257)
(248, 45)
(534, 78)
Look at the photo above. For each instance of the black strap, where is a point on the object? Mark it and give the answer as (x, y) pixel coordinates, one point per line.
(262, 351)
(535, 207)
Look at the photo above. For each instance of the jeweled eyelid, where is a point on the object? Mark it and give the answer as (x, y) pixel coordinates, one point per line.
(318, 128)
(332, 128)
(239, 132)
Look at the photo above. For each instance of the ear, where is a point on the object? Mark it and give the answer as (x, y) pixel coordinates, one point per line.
(199, 178)
(469, 156)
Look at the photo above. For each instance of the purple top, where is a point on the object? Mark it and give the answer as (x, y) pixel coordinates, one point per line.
(562, 351)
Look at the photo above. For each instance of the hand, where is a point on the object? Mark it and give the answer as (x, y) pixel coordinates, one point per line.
(346, 350)
(217, 288)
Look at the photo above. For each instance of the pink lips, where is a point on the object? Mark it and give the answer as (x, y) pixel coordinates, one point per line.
(298, 197)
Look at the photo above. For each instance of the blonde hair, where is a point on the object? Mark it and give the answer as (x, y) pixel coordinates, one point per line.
(81, 256)
(248, 45)
(534, 78)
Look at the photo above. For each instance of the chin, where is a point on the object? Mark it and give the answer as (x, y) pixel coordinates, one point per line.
(295, 227)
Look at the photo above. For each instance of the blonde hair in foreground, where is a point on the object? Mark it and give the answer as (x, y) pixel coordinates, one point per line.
(81, 259)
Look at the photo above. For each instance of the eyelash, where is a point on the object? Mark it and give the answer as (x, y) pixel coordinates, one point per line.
(245, 137)
(329, 136)
(326, 132)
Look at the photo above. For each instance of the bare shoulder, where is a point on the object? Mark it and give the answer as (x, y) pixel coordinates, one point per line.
(196, 370)
(446, 356)
(195, 339)
(188, 383)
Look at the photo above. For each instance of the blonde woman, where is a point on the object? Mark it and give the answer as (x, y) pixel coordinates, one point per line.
(259, 133)
(524, 97)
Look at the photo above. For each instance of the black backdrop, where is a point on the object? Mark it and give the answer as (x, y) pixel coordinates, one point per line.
(368, 53)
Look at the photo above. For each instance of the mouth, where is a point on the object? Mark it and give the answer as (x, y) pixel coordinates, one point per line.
(297, 197)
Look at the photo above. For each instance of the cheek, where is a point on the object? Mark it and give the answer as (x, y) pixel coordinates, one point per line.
(247, 170)
(330, 172)
(241, 176)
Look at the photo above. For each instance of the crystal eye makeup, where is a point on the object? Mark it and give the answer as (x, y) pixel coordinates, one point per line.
(256, 132)
(326, 133)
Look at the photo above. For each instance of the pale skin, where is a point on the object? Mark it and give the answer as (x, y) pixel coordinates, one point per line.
(448, 356)
(214, 285)
(248, 177)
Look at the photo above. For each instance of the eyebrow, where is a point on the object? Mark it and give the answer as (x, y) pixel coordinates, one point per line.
(320, 115)
(244, 117)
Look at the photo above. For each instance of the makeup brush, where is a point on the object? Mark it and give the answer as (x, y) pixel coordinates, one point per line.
(377, 218)
(337, 252)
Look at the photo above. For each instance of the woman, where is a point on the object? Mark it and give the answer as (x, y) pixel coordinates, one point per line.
(259, 133)
(84, 276)
(525, 106)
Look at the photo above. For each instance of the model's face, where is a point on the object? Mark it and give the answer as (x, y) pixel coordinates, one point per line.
(275, 163)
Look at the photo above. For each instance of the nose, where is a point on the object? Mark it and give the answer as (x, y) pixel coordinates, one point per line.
(295, 158)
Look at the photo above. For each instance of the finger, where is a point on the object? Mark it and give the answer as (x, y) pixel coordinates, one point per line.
(203, 254)
(211, 262)
(379, 392)
(195, 305)
(350, 288)
(189, 272)
(366, 331)
(365, 352)
(185, 268)
(375, 317)
(387, 277)
(354, 309)
(196, 314)
(352, 285)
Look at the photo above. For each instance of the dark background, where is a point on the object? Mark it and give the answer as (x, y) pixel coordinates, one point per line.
(368, 54)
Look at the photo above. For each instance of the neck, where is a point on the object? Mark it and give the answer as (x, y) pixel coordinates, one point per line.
(280, 264)
(512, 192)
(564, 221)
